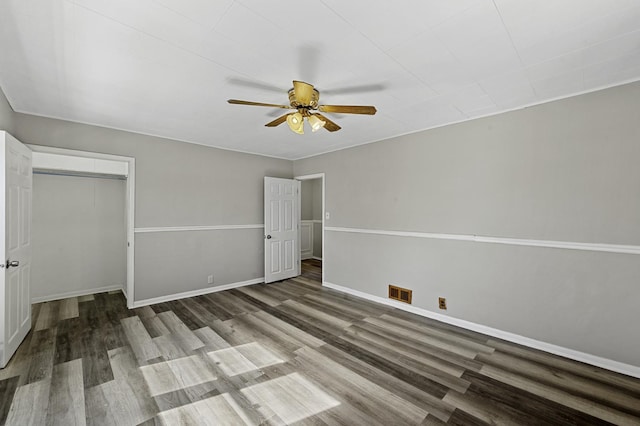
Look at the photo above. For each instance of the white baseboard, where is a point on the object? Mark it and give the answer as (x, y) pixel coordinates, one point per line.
(618, 367)
(76, 293)
(316, 257)
(305, 256)
(193, 293)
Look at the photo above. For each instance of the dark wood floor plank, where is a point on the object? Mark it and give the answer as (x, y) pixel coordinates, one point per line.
(439, 381)
(383, 405)
(154, 326)
(460, 418)
(96, 368)
(7, 390)
(304, 338)
(332, 309)
(438, 337)
(409, 393)
(66, 397)
(183, 334)
(69, 333)
(572, 402)
(215, 307)
(139, 340)
(492, 399)
(179, 308)
(256, 294)
(47, 315)
(620, 399)
(630, 384)
(197, 309)
(235, 305)
(438, 370)
(30, 404)
(266, 332)
(42, 352)
(290, 352)
(447, 357)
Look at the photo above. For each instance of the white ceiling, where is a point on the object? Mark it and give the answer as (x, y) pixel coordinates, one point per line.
(167, 67)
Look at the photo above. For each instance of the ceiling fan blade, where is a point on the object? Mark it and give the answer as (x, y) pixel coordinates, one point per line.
(278, 121)
(303, 91)
(329, 125)
(348, 109)
(239, 102)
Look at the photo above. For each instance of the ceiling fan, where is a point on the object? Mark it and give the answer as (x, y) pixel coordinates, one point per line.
(303, 98)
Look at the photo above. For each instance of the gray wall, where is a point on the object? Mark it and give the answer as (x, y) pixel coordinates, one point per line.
(566, 171)
(6, 114)
(179, 184)
(79, 236)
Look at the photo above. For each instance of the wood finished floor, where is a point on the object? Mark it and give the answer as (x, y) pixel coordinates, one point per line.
(289, 353)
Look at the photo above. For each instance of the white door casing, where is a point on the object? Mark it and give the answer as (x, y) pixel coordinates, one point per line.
(16, 258)
(281, 218)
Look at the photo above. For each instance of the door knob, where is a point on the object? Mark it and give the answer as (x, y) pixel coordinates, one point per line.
(10, 263)
(268, 237)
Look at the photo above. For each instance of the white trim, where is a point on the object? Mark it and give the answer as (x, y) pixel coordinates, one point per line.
(72, 163)
(314, 220)
(131, 240)
(77, 153)
(193, 293)
(316, 258)
(130, 203)
(611, 248)
(195, 228)
(310, 177)
(77, 293)
(619, 367)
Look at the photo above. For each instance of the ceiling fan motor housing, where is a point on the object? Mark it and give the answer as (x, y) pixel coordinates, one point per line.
(313, 104)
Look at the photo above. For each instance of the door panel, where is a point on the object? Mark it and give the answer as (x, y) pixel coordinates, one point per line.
(16, 225)
(281, 228)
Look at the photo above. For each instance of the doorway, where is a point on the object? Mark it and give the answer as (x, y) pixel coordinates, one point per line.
(72, 162)
(312, 213)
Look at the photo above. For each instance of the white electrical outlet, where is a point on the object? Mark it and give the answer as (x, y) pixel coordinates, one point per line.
(210, 279)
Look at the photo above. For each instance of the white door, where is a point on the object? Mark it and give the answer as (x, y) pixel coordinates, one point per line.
(15, 217)
(281, 218)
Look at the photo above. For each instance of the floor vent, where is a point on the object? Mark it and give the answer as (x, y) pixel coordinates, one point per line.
(399, 293)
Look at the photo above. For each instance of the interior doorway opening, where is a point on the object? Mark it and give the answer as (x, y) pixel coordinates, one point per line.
(62, 161)
(311, 226)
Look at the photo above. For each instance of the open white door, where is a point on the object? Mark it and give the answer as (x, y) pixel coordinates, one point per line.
(281, 218)
(15, 218)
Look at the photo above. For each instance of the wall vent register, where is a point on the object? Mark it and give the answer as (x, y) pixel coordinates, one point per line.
(399, 293)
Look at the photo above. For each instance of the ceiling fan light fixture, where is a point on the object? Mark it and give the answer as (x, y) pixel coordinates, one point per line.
(316, 123)
(296, 123)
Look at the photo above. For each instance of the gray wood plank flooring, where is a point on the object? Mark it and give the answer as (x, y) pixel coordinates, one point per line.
(291, 352)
